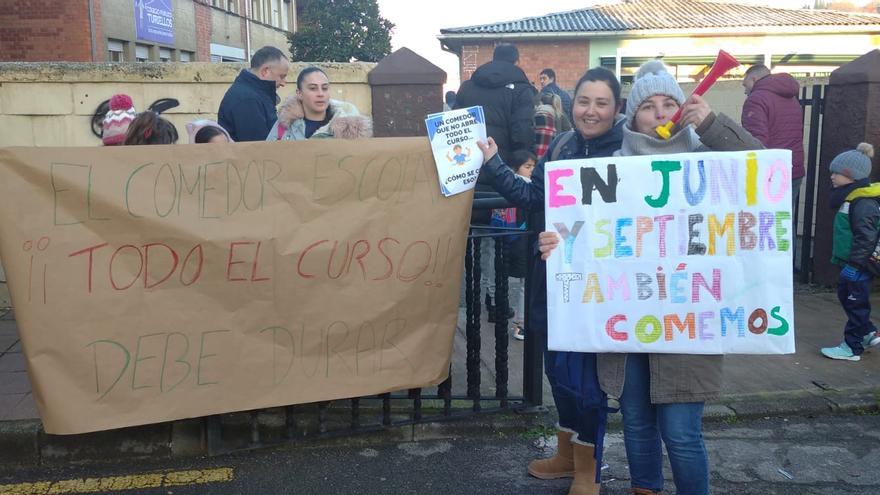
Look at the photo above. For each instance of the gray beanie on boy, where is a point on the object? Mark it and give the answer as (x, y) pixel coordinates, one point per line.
(652, 79)
(855, 164)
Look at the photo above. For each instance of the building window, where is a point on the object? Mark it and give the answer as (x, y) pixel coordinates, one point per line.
(223, 53)
(141, 53)
(115, 51)
(275, 7)
(186, 56)
(257, 10)
(164, 54)
(227, 5)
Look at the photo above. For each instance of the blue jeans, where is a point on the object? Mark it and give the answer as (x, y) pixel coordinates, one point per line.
(678, 425)
(853, 296)
(583, 423)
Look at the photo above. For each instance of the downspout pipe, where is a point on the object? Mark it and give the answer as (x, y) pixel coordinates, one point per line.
(91, 7)
(247, 31)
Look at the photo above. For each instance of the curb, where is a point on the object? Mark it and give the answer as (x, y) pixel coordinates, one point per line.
(24, 444)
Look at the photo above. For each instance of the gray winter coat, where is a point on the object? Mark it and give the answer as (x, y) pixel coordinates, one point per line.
(678, 377)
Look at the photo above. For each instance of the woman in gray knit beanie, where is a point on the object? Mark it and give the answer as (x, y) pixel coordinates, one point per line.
(659, 395)
(662, 395)
(653, 100)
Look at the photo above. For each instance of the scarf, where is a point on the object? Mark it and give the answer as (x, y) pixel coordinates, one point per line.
(839, 194)
(637, 144)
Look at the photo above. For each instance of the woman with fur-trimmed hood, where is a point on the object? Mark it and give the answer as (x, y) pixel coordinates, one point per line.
(311, 114)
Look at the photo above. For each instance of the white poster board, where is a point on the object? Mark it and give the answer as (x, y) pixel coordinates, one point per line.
(453, 137)
(688, 253)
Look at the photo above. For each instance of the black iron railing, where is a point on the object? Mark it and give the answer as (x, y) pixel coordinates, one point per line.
(407, 407)
(816, 105)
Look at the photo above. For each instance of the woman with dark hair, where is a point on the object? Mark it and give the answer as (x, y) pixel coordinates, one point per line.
(149, 128)
(582, 407)
(310, 113)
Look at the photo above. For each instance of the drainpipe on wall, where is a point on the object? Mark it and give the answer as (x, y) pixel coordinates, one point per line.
(618, 63)
(247, 31)
(92, 30)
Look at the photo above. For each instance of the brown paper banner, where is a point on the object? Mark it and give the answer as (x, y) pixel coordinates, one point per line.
(155, 283)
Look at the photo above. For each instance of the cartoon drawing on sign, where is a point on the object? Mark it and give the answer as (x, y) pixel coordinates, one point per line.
(460, 156)
(452, 135)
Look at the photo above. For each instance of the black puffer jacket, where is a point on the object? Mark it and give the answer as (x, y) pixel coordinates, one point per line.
(507, 98)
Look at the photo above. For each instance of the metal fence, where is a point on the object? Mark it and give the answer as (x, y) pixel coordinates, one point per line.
(470, 396)
(813, 103)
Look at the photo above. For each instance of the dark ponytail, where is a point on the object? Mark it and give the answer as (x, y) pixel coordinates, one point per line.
(149, 128)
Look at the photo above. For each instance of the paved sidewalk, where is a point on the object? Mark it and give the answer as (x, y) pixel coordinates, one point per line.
(805, 383)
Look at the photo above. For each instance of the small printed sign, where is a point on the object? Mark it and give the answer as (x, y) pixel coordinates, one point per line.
(454, 138)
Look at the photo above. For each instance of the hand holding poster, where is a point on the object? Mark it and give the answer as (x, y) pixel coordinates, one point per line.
(688, 253)
(454, 138)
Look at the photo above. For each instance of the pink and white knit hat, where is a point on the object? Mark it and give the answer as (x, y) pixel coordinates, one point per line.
(116, 121)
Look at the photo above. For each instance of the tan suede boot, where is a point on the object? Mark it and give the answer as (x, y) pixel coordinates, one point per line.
(644, 491)
(561, 465)
(584, 471)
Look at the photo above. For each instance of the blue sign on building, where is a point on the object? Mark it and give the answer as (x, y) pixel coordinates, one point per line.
(154, 20)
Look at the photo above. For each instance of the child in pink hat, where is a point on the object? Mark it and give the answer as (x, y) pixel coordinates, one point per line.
(118, 118)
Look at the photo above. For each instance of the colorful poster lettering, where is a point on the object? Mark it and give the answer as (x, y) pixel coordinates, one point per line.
(688, 253)
(454, 138)
(154, 20)
(154, 283)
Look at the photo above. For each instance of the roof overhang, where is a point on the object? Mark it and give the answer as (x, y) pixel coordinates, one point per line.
(452, 42)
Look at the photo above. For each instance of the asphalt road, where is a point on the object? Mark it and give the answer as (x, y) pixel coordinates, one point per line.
(823, 455)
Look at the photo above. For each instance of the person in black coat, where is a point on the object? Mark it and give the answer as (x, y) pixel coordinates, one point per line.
(247, 110)
(507, 98)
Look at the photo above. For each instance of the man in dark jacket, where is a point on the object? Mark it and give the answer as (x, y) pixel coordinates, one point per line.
(507, 98)
(247, 111)
(773, 115)
(508, 101)
(547, 80)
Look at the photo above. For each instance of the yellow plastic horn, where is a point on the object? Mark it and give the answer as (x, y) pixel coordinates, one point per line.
(665, 130)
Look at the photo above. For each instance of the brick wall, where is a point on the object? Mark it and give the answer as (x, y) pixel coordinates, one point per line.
(568, 58)
(46, 30)
(204, 25)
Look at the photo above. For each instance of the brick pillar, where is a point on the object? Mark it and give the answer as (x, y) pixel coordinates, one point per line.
(204, 26)
(851, 116)
(100, 42)
(405, 88)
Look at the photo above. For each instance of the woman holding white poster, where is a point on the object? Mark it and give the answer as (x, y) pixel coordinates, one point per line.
(662, 395)
(581, 405)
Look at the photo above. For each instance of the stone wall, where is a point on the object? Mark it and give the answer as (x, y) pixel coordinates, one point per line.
(51, 104)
